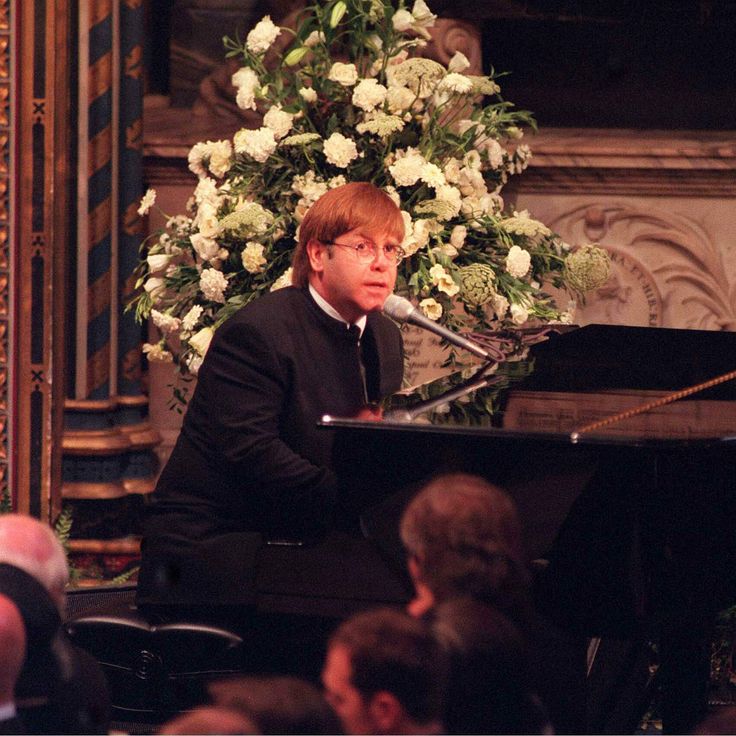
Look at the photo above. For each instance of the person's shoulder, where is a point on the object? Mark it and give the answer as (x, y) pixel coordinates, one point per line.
(271, 306)
(383, 326)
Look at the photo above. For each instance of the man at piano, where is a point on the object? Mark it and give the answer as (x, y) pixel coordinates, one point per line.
(250, 468)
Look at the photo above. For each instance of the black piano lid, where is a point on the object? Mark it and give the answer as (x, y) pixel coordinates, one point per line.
(581, 386)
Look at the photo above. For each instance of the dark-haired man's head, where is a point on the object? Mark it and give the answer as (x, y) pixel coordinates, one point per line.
(463, 538)
(385, 673)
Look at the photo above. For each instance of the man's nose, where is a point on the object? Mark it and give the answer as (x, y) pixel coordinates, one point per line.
(381, 260)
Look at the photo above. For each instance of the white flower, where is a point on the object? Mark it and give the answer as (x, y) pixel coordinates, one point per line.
(190, 319)
(409, 245)
(157, 262)
(147, 202)
(308, 94)
(339, 150)
(495, 152)
(206, 191)
(156, 353)
(252, 257)
(369, 94)
(278, 121)
(395, 198)
(442, 280)
(500, 305)
(167, 323)
(518, 261)
(308, 186)
(407, 170)
(344, 74)
(155, 286)
(259, 40)
(258, 144)
(432, 175)
(456, 83)
(282, 281)
(206, 248)
(314, 38)
(458, 63)
(200, 340)
(206, 220)
(245, 80)
(519, 314)
(417, 21)
(196, 159)
(194, 363)
(399, 98)
(213, 283)
(521, 223)
(431, 308)
(458, 235)
(403, 20)
(220, 153)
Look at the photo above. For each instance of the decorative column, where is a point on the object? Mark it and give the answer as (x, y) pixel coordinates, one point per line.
(108, 458)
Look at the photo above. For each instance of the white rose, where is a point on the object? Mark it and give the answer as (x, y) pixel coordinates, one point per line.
(206, 248)
(339, 150)
(200, 341)
(252, 257)
(442, 280)
(369, 94)
(344, 74)
(206, 220)
(518, 261)
(259, 40)
(399, 98)
(458, 235)
(278, 121)
(519, 314)
(308, 94)
(431, 308)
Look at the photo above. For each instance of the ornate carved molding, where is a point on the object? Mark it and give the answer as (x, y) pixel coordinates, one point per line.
(6, 136)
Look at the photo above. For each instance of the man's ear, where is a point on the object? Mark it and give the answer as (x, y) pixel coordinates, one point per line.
(316, 252)
(386, 712)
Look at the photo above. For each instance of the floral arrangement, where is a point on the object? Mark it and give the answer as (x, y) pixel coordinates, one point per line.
(347, 98)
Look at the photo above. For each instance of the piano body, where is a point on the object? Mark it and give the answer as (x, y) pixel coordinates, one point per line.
(624, 482)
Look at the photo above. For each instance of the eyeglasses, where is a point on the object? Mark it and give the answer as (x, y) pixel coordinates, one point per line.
(366, 252)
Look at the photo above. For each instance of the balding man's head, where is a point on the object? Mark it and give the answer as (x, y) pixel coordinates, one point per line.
(32, 546)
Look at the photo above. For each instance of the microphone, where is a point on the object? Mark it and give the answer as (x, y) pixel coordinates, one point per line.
(402, 310)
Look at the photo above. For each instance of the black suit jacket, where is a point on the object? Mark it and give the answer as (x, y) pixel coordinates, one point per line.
(250, 462)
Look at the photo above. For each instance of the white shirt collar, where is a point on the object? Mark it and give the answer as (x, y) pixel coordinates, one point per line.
(326, 307)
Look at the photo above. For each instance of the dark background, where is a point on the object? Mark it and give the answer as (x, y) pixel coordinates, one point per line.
(579, 63)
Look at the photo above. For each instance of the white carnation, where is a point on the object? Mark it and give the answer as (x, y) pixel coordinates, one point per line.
(456, 83)
(518, 261)
(213, 284)
(432, 175)
(399, 98)
(407, 170)
(167, 323)
(308, 94)
(259, 40)
(258, 144)
(190, 319)
(206, 191)
(369, 94)
(282, 281)
(339, 150)
(206, 220)
(344, 74)
(147, 202)
(245, 80)
(278, 121)
(220, 157)
(252, 257)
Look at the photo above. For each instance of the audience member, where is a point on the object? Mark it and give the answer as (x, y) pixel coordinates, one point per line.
(13, 649)
(385, 673)
(61, 689)
(463, 539)
(276, 705)
(210, 719)
(490, 686)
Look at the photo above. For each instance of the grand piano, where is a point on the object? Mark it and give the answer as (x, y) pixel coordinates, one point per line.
(618, 445)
